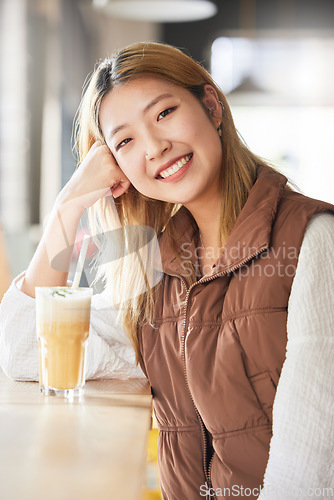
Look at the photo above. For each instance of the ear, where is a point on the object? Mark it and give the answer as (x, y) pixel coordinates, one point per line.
(211, 102)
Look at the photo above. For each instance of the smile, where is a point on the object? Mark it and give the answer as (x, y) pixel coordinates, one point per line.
(176, 167)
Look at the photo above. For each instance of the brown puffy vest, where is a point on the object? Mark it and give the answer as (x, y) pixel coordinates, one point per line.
(215, 351)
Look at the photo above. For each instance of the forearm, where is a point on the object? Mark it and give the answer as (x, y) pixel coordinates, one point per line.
(51, 262)
(95, 178)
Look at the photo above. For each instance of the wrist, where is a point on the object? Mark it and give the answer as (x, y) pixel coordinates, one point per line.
(68, 208)
(59, 236)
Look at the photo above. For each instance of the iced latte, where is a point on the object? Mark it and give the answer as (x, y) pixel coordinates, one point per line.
(63, 317)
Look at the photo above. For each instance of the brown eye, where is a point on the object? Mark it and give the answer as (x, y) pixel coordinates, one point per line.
(122, 143)
(166, 112)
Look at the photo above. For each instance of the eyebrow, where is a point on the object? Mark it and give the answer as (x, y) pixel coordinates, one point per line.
(146, 109)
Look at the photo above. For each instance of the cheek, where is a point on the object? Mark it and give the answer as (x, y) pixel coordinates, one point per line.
(194, 129)
(132, 167)
(185, 131)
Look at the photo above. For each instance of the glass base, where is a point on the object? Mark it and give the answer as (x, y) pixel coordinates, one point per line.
(62, 393)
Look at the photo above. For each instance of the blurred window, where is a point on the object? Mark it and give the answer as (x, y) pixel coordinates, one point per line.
(281, 92)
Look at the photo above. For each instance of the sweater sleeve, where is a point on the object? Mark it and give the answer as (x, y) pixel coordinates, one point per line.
(109, 351)
(301, 459)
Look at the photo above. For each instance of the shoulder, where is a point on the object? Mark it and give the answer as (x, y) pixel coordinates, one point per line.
(294, 215)
(297, 205)
(318, 243)
(321, 225)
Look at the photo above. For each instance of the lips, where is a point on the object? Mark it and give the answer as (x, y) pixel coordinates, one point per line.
(173, 166)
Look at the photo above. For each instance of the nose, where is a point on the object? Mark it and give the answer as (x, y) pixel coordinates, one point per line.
(156, 147)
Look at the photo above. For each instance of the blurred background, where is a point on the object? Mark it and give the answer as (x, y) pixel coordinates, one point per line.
(274, 59)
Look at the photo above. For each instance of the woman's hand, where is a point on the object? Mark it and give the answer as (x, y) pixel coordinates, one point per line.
(96, 177)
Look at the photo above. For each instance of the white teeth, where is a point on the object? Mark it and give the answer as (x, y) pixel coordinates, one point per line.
(175, 168)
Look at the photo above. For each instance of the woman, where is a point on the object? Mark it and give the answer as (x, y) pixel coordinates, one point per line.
(211, 336)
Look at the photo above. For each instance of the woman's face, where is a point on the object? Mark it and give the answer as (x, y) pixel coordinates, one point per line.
(163, 140)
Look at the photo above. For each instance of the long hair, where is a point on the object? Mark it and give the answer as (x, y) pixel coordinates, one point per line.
(237, 174)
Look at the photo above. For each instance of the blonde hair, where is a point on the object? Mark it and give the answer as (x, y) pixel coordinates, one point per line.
(237, 175)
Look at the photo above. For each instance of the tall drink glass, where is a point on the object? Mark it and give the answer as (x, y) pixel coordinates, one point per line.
(63, 317)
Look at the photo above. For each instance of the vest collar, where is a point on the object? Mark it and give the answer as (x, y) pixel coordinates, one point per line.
(249, 237)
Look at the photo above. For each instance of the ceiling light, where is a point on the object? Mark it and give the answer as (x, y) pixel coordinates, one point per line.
(160, 11)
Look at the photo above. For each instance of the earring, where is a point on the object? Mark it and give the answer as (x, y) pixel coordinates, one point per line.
(220, 132)
(222, 105)
(210, 110)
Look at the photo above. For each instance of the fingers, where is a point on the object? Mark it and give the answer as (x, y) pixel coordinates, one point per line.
(120, 188)
(115, 178)
(96, 144)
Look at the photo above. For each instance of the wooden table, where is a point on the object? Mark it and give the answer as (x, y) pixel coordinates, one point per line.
(92, 449)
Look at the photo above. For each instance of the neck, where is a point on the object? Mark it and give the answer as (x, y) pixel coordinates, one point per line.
(207, 217)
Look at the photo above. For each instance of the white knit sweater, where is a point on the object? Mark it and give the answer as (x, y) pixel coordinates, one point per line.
(301, 460)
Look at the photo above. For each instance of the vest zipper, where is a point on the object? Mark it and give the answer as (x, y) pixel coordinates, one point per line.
(209, 468)
(205, 443)
(206, 466)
